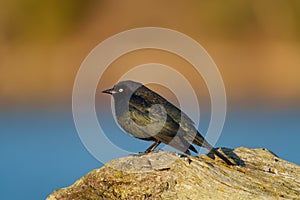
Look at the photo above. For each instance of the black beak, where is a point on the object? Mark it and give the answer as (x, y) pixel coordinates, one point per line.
(109, 91)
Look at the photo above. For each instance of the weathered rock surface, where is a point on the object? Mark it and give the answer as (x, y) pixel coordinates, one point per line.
(258, 174)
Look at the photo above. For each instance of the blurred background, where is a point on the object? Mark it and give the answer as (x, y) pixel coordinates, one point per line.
(255, 44)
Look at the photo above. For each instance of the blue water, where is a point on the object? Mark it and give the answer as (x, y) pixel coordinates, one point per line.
(40, 150)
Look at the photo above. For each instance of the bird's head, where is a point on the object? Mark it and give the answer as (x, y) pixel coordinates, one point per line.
(123, 89)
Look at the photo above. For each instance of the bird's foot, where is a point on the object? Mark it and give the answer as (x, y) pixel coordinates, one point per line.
(160, 150)
(214, 152)
(143, 153)
(138, 154)
(211, 155)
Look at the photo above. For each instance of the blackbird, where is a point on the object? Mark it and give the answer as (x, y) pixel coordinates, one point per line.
(146, 115)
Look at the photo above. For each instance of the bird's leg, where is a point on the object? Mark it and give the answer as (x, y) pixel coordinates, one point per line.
(188, 152)
(153, 146)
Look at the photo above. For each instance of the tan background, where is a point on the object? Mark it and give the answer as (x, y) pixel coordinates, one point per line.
(254, 43)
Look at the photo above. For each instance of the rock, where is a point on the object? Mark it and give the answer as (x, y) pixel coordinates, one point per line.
(258, 174)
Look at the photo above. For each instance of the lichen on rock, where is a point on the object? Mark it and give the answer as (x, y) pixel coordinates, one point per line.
(258, 174)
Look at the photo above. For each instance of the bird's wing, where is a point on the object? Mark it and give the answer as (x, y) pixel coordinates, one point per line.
(139, 111)
(151, 117)
(189, 131)
(158, 124)
(175, 113)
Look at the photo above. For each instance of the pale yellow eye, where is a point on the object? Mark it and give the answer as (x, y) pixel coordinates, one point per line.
(121, 90)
